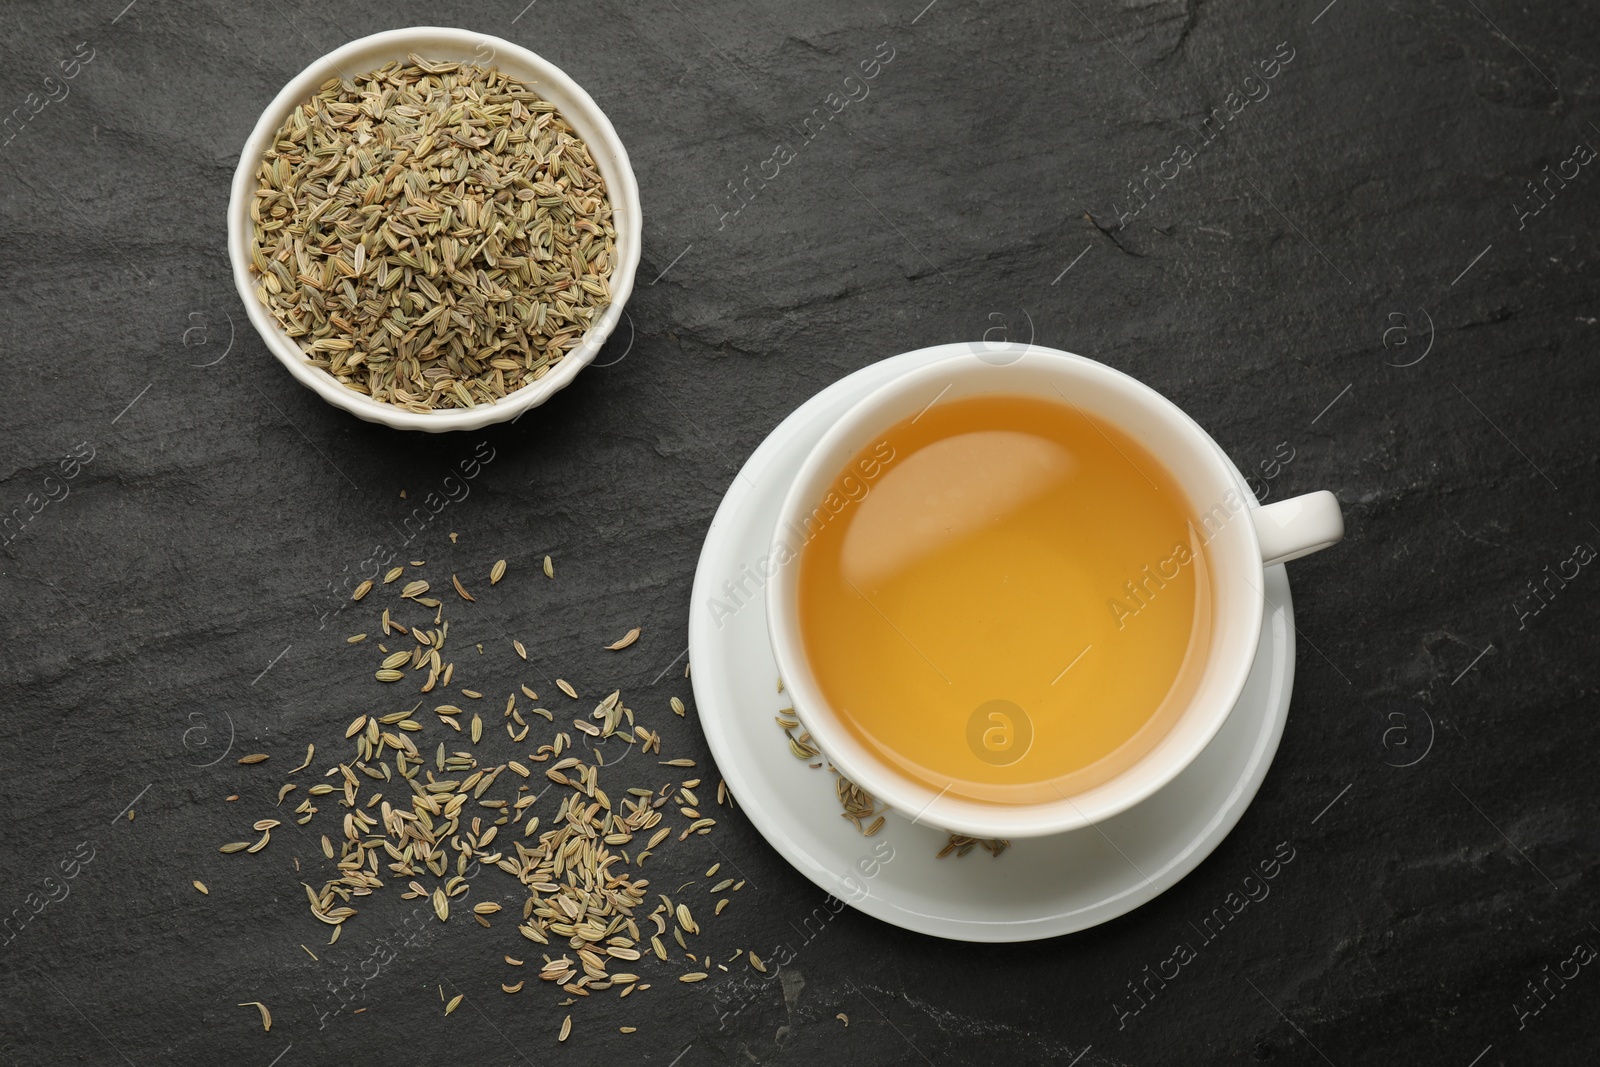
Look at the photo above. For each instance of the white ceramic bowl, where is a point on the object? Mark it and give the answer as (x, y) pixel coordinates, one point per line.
(443, 45)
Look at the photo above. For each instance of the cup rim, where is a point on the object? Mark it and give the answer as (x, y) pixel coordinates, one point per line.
(889, 786)
(575, 105)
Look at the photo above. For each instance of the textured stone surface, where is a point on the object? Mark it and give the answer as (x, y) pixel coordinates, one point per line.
(1370, 198)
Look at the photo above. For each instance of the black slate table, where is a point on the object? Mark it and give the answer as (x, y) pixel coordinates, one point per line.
(1359, 236)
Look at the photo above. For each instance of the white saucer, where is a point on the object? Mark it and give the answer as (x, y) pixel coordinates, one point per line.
(1040, 887)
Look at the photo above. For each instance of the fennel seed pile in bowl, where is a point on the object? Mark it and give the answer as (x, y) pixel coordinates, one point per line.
(432, 235)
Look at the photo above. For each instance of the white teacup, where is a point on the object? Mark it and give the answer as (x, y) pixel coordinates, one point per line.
(1237, 552)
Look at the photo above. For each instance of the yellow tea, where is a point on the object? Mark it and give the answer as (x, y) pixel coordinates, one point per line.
(1014, 607)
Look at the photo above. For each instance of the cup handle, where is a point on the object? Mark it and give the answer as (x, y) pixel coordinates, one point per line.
(1298, 526)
